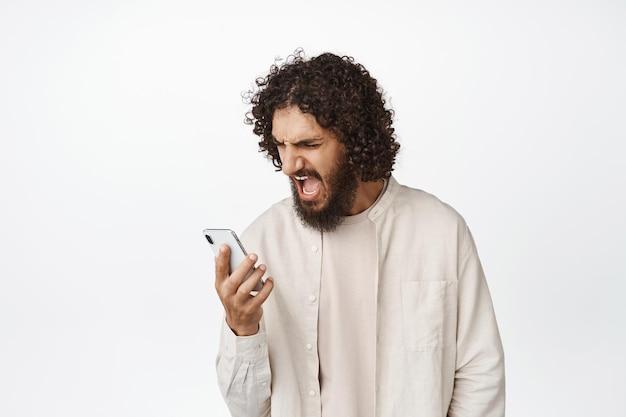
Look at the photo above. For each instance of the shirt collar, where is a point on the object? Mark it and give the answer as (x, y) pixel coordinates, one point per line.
(385, 200)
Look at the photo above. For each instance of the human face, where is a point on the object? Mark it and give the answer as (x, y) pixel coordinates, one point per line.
(323, 184)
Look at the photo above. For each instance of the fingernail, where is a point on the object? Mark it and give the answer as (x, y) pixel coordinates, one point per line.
(253, 257)
(262, 267)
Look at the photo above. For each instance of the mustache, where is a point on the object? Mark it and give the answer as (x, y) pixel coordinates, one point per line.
(308, 173)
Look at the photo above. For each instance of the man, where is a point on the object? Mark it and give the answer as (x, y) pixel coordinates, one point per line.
(379, 306)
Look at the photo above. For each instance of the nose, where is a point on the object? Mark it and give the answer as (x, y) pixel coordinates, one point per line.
(291, 161)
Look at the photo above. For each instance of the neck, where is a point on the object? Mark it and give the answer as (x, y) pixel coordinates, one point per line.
(367, 193)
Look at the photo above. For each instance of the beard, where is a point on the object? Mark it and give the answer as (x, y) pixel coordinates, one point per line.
(341, 186)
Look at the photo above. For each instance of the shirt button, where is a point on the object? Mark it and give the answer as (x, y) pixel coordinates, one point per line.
(312, 393)
(314, 248)
(309, 346)
(312, 298)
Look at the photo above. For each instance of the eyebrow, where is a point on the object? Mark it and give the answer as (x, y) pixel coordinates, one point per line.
(305, 141)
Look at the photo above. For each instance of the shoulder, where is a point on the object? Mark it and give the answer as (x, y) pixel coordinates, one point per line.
(276, 219)
(421, 205)
(429, 223)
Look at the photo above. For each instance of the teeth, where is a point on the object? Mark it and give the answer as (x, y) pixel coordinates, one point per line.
(308, 193)
(301, 178)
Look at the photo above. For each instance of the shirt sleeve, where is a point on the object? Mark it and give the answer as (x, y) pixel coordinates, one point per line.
(479, 389)
(243, 373)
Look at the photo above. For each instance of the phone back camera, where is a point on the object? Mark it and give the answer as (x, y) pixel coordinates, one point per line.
(209, 239)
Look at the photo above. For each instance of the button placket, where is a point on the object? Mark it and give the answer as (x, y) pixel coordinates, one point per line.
(311, 306)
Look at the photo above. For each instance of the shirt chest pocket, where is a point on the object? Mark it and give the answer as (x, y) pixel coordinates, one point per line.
(429, 314)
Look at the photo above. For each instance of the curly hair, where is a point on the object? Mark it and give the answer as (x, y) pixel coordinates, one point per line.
(342, 96)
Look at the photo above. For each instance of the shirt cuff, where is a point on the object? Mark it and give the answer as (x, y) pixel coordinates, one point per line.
(249, 347)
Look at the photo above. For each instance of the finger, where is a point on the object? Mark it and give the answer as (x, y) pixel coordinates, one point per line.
(222, 261)
(237, 276)
(264, 292)
(251, 282)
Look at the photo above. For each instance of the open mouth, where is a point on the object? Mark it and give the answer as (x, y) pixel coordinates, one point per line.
(308, 186)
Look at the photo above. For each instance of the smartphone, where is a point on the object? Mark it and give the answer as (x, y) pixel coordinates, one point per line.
(218, 237)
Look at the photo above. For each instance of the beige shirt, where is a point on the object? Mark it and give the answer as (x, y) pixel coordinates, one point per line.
(347, 318)
(438, 350)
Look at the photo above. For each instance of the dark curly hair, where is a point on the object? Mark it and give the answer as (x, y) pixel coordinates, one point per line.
(342, 96)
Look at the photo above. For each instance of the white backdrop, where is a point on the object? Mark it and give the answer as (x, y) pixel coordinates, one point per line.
(122, 138)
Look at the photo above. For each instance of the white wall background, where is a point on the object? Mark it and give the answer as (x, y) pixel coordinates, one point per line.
(122, 138)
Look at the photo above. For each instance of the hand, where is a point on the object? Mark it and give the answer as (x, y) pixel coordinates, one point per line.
(243, 310)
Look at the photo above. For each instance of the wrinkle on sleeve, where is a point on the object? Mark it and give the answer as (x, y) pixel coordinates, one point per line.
(479, 387)
(243, 373)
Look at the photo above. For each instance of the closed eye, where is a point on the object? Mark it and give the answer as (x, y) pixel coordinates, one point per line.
(303, 144)
(309, 145)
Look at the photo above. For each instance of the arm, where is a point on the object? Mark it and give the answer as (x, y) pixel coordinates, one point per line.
(243, 369)
(243, 373)
(479, 378)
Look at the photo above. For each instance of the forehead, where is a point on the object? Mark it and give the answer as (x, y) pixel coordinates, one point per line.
(291, 124)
